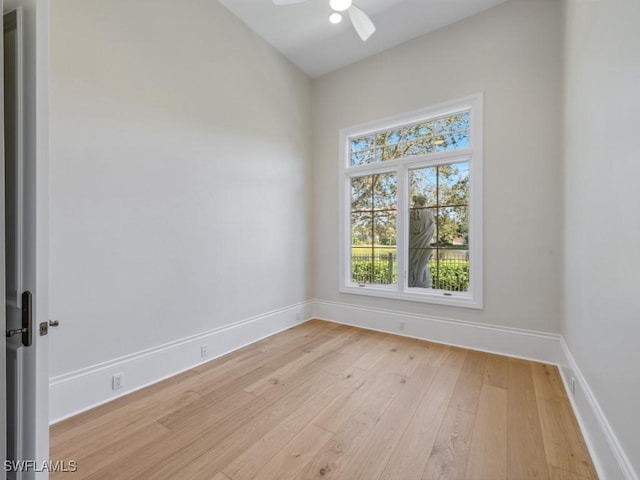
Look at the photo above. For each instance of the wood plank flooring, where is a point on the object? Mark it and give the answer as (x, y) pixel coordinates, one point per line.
(328, 401)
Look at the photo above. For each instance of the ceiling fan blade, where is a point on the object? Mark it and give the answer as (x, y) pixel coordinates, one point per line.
(361, 22)
(281, 3)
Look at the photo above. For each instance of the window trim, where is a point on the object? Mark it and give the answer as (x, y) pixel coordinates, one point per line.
(474, 154)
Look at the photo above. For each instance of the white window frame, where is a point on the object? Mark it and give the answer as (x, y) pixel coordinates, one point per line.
(473, 298)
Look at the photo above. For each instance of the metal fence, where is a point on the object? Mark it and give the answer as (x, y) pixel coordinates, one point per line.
(449, 269)
(378, 269)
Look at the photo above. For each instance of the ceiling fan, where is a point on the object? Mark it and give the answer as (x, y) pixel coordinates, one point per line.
(361, 22)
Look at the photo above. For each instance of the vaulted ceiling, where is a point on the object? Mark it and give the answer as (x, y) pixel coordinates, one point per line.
(302, 31)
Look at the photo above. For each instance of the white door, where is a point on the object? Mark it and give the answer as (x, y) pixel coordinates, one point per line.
(13, 238)
(25, 228)
(3, 386)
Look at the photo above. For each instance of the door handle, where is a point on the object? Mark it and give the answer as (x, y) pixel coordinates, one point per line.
(27, 320)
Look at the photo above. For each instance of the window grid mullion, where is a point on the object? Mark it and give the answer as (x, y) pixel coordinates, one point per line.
(438, 218)
(372, 279)
(403, 229)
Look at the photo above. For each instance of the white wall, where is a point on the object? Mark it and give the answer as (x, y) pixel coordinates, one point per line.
(180, 168)
(602, 320)
(511, 53)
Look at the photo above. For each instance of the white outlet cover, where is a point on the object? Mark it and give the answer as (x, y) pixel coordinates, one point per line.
(117, 381)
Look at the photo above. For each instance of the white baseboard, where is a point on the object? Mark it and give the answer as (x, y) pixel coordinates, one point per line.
(609, 458)
(530, 345)
(81, 390)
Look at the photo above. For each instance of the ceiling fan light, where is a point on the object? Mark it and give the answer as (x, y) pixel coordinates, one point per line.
(335, 18)
(340, 5)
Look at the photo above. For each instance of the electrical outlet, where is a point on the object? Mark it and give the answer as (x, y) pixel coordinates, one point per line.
(573, 385)
(203, 351)
(117, 381)
(401, 327)
(297, 316)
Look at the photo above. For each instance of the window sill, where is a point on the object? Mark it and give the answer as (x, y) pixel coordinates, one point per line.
(438, 297)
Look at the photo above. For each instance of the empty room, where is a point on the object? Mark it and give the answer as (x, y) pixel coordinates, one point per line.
(297, 239)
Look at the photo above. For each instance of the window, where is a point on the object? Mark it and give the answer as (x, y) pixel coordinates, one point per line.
(411, 216)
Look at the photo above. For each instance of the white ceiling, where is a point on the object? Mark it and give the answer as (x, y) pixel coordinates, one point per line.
(302, 32)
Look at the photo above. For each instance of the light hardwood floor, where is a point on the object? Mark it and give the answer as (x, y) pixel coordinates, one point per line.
(328, 401)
